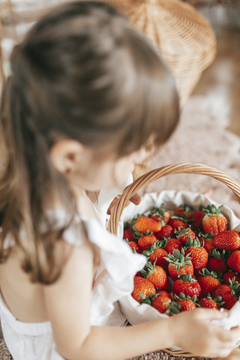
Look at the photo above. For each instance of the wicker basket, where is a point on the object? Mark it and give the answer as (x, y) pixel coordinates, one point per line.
(155, 174)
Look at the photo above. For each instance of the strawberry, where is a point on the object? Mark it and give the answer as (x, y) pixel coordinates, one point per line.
(168, 286)
(210, 303)
(177, 223)
(184, 210)
(217, 262)
(156, 274)
(229, 293)
(184, 234)
(134, 246)
(145, 241)
(160, 214)
(209, 282)
(172, 244)
(197, 217)
(186, 285)
(166, 231)
(161, 303)
(228, 240)
(144, 223)
(164, 293)
(179, 264)
(142, 286)
(158, 257)
(186, 305)
(222, 290)
(213, 221)
(207, 241)
(230, 300)
(198, 254)
(230, 275)
(234, 261)
(128, 232)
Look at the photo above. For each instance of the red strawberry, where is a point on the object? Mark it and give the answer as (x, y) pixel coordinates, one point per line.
(145, 241)
(166, 231)
(184, 234)
(213, 221)
(184, 210)
(156, 274)
(186, 305)
(230, 300)
(160, 214)
(198, 254)
(208, 282)
(234, 261)
(172, 244)
(197, 216)
(229, 293)
(142, 286)
(207, 242)
(217, 265)
(228, 240)
(187, 285)
(158, 257)
(179, 264)
(134, 246)
(128, 232)
(168, 286)
(210, 303)
(164, 293)
(161, 303)
(144, 223)
(222, 290)
(177, 223)
(217, 262)
(230, 275)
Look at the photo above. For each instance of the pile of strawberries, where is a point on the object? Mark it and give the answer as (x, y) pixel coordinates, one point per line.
(193, 259)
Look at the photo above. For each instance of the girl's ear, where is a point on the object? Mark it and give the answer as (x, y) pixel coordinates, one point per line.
(65, 154)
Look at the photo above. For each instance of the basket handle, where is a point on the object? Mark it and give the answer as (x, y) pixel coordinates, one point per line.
(188, 168)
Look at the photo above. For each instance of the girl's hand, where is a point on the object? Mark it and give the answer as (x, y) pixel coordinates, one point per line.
(193, 332)
(135, 199)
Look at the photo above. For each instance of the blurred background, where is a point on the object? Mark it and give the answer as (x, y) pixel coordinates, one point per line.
(221, 81)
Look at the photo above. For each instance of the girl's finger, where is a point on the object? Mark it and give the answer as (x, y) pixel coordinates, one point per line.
(210, 314)
(135, 199)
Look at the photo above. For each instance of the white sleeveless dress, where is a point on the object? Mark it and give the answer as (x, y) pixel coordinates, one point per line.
(114, 279)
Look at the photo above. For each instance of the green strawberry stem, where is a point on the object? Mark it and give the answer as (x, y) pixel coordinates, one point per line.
(212, 210)
(186, 297)
(179, 259)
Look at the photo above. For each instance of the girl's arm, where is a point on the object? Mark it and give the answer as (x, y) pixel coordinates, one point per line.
(68, 303)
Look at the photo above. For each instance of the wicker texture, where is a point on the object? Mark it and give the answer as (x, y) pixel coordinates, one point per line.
(185, 38)
(188, 168)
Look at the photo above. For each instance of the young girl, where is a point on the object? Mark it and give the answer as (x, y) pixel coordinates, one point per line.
(86, 93)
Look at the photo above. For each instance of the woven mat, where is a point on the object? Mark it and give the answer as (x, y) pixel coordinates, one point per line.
(201, 137)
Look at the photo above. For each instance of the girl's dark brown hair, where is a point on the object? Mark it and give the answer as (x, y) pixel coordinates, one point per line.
(82, 72)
